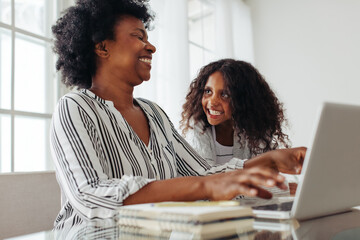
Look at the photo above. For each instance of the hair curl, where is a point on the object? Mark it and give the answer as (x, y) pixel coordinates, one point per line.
(84, 25)
(257, 113)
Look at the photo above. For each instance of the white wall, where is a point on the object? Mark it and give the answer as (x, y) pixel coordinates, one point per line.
(309, 52)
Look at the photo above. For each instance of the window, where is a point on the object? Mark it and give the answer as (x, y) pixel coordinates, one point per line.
(217, 30)
(29, 86)
(201, 22)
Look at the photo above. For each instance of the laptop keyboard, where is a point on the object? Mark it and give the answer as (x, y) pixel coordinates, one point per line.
(284, 206)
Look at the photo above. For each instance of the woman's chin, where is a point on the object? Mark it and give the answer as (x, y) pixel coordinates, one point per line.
(146, 78)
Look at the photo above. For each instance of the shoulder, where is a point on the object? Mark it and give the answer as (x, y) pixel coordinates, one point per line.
(73, 97)
(75, 103)
(152, 107)
(201, 141)
(198, 136)
(80, 98)
(199, 131)
(146, 102)
(241, 147)
(199, 127)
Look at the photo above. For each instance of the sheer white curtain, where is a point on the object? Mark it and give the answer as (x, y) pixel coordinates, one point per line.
(233, 30)
(170, 69)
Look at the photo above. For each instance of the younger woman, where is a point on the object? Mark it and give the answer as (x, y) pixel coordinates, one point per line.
(231, 112)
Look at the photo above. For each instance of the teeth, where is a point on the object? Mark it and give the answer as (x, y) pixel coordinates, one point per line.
(146, 60)
(213, 112)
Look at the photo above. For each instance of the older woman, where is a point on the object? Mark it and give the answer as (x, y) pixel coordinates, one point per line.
(111, 149)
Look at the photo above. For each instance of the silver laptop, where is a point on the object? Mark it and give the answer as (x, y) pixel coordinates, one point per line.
(329, 181)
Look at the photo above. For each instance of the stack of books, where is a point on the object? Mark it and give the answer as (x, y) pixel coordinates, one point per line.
(202, 220)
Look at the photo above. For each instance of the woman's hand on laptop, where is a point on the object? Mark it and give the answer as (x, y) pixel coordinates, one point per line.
(288, 160)
(226, 186)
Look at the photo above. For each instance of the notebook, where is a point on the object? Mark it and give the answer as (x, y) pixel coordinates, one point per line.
(328, 183)
(200, 219)
(131, 232)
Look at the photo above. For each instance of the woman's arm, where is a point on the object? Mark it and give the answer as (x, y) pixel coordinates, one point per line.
(283, 160)
(222, 186)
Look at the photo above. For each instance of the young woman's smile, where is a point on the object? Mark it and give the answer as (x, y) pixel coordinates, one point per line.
(216, 100)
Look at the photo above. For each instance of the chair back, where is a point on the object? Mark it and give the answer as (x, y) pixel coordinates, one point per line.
(29, 202)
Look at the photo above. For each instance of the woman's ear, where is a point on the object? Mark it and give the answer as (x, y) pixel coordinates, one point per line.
(101, 50)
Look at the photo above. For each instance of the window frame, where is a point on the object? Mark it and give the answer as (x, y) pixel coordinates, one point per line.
(199, 16)
(54, 91)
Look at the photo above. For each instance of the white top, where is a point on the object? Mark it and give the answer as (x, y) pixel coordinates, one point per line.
(100, 161)
(203, 142)
(223, 153)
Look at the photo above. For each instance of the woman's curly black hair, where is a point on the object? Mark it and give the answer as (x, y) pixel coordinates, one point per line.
(84, 25)
(257, 113)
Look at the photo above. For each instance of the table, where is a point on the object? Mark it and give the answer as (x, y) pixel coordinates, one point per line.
(335, 227)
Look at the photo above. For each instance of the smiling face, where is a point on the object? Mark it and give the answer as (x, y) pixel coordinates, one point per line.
(129, 55)
(216, 101)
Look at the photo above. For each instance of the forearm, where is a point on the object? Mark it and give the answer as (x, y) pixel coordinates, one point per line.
(222, 186)
(176, 189)
(288, 160)
(263, 160)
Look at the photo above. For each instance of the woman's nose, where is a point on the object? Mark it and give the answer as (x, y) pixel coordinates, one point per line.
(151, 48)
(214, 101)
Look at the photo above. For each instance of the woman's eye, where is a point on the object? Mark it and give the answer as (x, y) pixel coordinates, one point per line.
(207, 91)
(225, 95)
(140, 37)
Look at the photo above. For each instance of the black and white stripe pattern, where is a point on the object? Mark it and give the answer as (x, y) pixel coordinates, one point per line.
(100, 160)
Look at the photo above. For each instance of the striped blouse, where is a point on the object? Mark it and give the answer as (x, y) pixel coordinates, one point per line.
(100, 161)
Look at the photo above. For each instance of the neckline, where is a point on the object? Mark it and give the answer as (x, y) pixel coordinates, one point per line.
(215, 141)
(110, 104)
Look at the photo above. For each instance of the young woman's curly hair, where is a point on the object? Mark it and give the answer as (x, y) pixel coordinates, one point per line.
(84, 25)
(257, 113)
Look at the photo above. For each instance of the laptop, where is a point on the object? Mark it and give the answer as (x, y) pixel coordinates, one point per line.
(329, 181)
